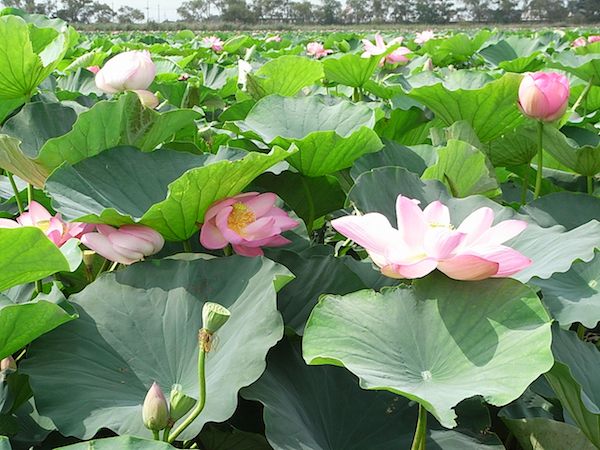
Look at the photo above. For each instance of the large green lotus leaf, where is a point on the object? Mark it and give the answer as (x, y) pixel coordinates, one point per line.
(285, 75)
(552, 249)
(119, 443)
(492, 338)
(33, 428)
(4, 443)
(569, 209)
(512, 148)
(458, 48)
(515, 54)
(330, 136)
(464, 170)
(107, 124)
(350, 69)
(405, 126)
(28, 255)
(488, 105)
(111, 363)
(316, 271)
(574, 296)
(573, 379)
(586, 67)
(217, 438)
(316, 197)
(415, 158)
(21, 323)
(576, 148)
(166, 190)
(30, 49)
(37, 122)
(323, 408)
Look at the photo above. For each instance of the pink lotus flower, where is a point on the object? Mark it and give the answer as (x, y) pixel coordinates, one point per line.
(544, 95)
(317, 50)
(275, 38)
(127, 71)
(57, 230)
(426, 240)
(398, 56)
(124, 245)
(424, 36)
(93, 69)
(213, 42)
(380, 47)
(592, 39)
(248, 222)
(147, 98)
(579, 42)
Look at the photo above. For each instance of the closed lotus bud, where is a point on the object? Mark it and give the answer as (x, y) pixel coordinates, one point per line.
(214, 316)
(126, 71)
(155, 412)
(544, 95)
(8, 363)
(180, 403)
(147, 98)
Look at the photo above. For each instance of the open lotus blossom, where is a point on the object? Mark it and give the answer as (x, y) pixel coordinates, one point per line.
(426, 240)
(133, 70)
(579, 42)
(275, 38)
(424, 36)
(248, 222)
(125, 245)
(57, 230)
(317, 50)
(213, 42)
(544, 95)
(380, 47)
(592, 39)
(398, 56)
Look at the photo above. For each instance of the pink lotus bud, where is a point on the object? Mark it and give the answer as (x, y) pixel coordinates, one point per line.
(317, 50)
(93, 69)
(147, 98)
(214, 43)
(592, 39)
(57, 230)
(424, 36)
(125, 245)
(248, 222)
(126, 71)
(155, 412)
(579, 42)
(8, 363)
(544, 95)
(426, 240)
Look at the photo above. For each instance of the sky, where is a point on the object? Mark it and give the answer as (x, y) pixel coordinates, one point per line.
(168, 8)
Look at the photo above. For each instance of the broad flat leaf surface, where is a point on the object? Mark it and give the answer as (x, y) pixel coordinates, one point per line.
(166, 190)
(285, 75)
(112, 363)
(583, 158)
(586, 67)
(488, 105)
(120, 443)
(323, 408)
(492, 339)
(552, 249)
(350, 70)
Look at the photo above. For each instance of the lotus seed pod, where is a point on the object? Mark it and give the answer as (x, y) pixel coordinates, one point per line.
(214, 316)
(181, 404)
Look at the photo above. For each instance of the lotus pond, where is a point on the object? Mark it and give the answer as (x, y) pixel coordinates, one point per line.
(298, 241)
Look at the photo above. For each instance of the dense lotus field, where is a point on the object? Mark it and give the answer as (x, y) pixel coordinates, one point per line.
(298, 241)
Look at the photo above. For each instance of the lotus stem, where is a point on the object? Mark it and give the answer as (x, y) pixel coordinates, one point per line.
(16, 191)
(166, 433)
(590, 184)
(187, 247)
(155, 435)
(525, 184)
(29, 193)
(583, 96)
(540, 161)
(203, 348)
(421, 431)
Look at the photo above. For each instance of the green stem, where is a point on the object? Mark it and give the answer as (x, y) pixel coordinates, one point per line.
(16, 191)
(540, 161)
(421, 431)
(227, 251)
(590, 184)
(310, 220)
(29, 193)
(187, 247)
(583, 94)
(356, 95)
(525, 184)
(155, 435)
(581, 331)
(202, 344)
(166, 434)
(114, 266)
(102, 268)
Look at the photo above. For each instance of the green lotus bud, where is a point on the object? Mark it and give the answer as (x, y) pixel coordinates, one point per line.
(344, 46)
(155, 412)
(214, 316)
(181, 404)
(8, 363)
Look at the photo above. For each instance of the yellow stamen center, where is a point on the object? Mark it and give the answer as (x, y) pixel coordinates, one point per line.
(43, 225)
(441, 225)
(240, 218)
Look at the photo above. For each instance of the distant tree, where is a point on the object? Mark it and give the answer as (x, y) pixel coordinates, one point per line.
(399, 10)
(547, 10)
(434, 11)
(102, 13)
(302, 12)
(236, 11)
(330, 12)
(377, 11)
(585, 10)
(32, 6)
(76, 11)
(128, 14)
(506, 11)
(358, 11)
(478, 10)
(194, 10)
